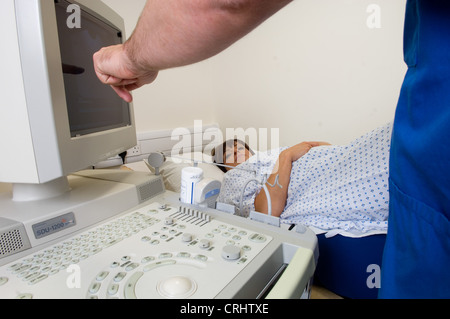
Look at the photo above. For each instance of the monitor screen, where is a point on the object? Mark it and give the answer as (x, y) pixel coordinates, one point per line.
(92, 106)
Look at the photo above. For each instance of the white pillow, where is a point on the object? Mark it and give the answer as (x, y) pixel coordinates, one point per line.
(171, 169)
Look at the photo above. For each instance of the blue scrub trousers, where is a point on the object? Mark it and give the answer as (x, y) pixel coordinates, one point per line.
(416, 260)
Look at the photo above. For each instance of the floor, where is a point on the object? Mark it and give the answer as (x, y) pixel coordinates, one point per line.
(318, 292)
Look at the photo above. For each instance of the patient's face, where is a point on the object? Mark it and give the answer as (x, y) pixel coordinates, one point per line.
(236, 155)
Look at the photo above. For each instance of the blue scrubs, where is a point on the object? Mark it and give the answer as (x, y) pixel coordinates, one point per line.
(416, 261)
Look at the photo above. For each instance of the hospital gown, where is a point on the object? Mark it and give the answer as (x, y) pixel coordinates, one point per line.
(341, 189)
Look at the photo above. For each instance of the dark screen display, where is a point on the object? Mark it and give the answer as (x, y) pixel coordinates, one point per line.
(92, 106)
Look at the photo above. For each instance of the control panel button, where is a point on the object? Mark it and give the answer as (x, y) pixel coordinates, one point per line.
(129, 291)
(3, 280)
(147, 259)
(186, 237)
(257, 238)
(95, 287)
(102, 275)
(201, 258)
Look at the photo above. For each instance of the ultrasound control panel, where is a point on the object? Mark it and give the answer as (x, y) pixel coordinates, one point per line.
(158, 250)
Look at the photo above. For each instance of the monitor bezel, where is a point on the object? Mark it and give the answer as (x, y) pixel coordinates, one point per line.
(57, 153)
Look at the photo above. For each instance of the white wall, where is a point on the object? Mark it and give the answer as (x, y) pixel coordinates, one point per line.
(315, 70)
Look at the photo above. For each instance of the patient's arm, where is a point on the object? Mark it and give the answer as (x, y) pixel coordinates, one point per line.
(282, 169)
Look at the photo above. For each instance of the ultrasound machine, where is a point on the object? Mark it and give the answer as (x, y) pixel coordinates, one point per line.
(67, 231)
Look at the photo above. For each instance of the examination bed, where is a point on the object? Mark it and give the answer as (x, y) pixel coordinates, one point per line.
(349, 264)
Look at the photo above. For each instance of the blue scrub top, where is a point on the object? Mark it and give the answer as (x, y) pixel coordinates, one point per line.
(416, 261)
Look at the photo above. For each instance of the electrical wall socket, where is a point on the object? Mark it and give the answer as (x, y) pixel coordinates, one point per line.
(133, 155)
(135, 151)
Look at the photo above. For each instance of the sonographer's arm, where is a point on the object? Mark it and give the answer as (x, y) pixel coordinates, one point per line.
(282, 171)
(172, 33)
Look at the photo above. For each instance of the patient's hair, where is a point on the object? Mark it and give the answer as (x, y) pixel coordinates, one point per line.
(218, 152)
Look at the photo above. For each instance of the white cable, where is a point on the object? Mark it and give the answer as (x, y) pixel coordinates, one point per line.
(269, 200)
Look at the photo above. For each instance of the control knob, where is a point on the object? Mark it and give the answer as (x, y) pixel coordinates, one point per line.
(231, 252)
(205, 243)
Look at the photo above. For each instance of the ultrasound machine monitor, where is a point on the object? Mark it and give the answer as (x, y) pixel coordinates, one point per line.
(56, 116)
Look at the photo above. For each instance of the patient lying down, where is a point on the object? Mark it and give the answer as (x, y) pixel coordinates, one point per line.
(328, 187)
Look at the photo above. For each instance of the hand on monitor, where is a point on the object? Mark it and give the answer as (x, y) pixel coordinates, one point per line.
(113, 67)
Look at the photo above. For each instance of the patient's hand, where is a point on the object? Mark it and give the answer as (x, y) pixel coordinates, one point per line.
(295, 152)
